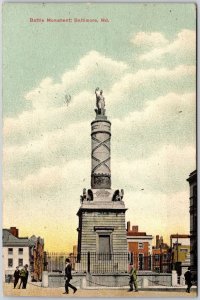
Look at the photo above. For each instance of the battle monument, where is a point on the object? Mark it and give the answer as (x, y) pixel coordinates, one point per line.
(101, 214)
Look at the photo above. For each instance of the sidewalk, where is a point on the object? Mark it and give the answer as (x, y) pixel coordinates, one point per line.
(33, 290)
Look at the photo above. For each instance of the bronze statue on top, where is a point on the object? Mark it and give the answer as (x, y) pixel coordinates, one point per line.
(100, 102)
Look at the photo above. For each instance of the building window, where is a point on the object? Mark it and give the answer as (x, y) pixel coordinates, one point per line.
(10, 250)
(20, 251)
(195, 191)
(184, 250)
(104, 247)
(156, 269)
(156, 257)
(141, 261)
(10, 262)
(140, 246)
(20, 262)
(164, 256)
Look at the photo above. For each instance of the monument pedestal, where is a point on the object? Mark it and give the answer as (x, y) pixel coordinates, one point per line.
(102, 230)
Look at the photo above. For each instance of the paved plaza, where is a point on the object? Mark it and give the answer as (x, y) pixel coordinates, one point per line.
(33, 290)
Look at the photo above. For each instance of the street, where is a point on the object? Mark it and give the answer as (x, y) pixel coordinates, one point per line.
(33, 290)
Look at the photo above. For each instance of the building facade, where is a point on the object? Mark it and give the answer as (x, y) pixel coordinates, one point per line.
(36, 257)
(193, 221)
(162, 256)
(19, 251)
(15, 252)
(180, 244)
(139, 247)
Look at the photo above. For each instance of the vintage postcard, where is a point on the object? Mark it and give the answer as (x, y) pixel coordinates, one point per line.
(99, 150)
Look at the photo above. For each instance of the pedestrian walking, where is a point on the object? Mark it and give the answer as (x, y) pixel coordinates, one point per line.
(24, 276)
(133, 279)
(68, 277)
(188, 279)
(16, 276)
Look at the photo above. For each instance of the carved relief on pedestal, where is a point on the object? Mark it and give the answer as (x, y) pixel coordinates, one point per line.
(101, 181)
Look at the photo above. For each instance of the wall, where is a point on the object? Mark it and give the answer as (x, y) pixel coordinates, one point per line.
(110, 219)
(109, 280)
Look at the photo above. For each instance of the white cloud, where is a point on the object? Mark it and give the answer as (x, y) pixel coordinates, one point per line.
(184, 45)
(161, 110)
(149, 39)
(161, 121)
(163, 171)
(52, 148)
(168, 119)
(89, 64)
(45, 119)
(31, 125)
(130, 82)
(48, 181)
(94, 68)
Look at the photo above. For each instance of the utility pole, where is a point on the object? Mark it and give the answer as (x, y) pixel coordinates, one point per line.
(177, 247)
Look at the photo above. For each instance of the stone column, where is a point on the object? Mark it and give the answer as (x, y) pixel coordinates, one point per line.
(174, 278)
(84, 282)
(182, 280)
(45, 279)
(145, 282)
(101, 134)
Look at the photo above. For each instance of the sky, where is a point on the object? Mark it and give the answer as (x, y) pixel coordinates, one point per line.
(144, 59)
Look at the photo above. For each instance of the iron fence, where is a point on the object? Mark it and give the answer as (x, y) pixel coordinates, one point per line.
(102, 263)
(56, 261)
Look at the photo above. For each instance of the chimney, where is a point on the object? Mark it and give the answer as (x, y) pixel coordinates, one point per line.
(128, 226)
(157, 241)
(135, 228)
(14, 231)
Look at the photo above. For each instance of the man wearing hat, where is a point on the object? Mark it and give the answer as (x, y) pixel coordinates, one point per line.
(68, 277)
(133, 278)
(16, 276)
(24, 276)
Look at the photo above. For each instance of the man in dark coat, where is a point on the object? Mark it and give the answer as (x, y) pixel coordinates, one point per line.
(188, 280)
(16, 276)
(68, 277)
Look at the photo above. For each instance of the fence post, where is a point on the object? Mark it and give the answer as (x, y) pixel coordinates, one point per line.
(88, 262)
(145, 282)
(182, 280)
(131, 257)
(161, 263)
(174, 278)
(45, 279)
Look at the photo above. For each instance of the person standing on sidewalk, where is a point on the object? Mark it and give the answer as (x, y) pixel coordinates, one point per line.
(24, 276)
(68, 277)
(188, 279)
(16, 276)
(133, 279)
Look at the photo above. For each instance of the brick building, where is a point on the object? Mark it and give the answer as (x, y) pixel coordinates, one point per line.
(162, 256)
(140, 247)
(36, 251)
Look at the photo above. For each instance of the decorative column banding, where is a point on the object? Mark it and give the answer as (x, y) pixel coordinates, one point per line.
(100, 136)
